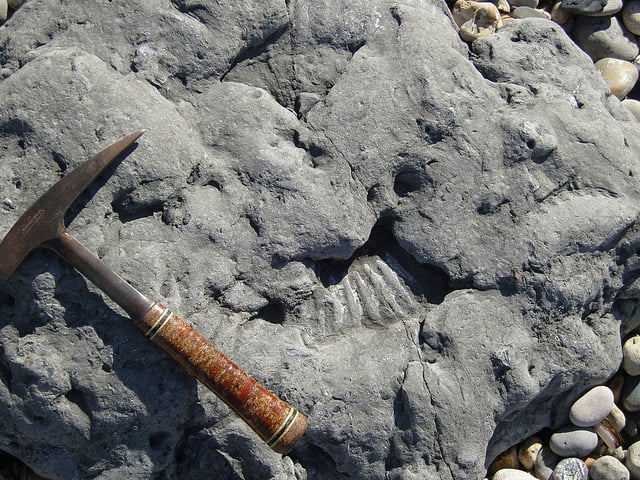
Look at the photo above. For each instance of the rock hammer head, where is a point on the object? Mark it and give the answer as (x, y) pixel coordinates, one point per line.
(44, 220)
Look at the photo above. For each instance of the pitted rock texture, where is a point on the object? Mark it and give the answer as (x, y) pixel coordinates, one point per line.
(430, 251)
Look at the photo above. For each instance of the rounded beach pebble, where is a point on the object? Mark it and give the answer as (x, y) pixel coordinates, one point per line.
(631, 348)
(545, 462)
(583, 7)
(620, 76)
(602, 37)
(633, 106)
(571, 469)
(593, 407)
(631, 16)
(512, 474)
(528, 451)
(632, 462)
(611, 8)
(573, 442)
(608, 468)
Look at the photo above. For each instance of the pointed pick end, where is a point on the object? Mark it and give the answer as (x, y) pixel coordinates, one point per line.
(42, 222)
(131, 138)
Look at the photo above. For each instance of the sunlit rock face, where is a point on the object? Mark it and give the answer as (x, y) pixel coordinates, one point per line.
(430, 249)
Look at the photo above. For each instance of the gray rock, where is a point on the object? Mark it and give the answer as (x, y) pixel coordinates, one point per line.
(524, 3)
(571, 469)
(608, 468)
(544, 463)
(592, 407)
(632, 460)
(602, 37)
(420, 251)
(611, 8)
(631, 354)
(572, 441)
(631, 16)
(631, 394)
(582, 7)
(529, 12)
(633, 106)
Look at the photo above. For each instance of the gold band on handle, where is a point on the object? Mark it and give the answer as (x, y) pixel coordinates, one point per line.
(161, 322)
(275, 421)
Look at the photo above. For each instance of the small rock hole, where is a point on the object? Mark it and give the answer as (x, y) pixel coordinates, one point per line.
(407, 181)
(78, 398)
(272, 313)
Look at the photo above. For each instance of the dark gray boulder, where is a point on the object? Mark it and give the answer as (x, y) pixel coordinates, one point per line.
(418, 245)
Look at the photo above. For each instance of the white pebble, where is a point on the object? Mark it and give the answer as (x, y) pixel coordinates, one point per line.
(573, 442)
(593, 407)
(512, 474)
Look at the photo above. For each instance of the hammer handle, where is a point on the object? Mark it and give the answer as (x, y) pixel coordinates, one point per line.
(275, 421)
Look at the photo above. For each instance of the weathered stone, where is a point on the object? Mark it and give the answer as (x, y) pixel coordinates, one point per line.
(316, 162)
(617, 418)
(631, 16)
(571, 469)
(611, 8)
(528, 451)
(582, 7)
(561, 16)
(602, 37)
(545, 462)
(524, 3)
(632, 461)
(528, 12)
(633, 106)
(631, 354)
(608, 468)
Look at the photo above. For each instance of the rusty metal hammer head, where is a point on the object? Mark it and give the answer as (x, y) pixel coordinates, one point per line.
(44, 220)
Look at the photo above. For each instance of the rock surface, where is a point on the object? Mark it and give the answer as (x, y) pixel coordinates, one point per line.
(428, 252)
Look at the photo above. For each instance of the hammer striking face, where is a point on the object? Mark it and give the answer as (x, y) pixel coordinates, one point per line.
(42, 225)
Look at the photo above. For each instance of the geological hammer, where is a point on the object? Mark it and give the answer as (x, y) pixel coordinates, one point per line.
(42, 225)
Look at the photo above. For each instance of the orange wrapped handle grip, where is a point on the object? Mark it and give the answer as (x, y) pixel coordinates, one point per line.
(276, 422)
